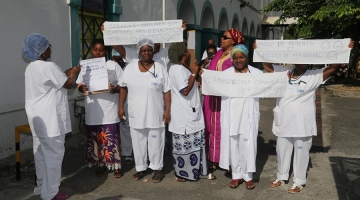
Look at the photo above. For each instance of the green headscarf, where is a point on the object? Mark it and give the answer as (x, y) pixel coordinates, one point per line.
(176, 51)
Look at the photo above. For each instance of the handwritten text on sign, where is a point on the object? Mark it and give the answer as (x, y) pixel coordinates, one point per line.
(244, 85)
(94, 74)
(121, 33)
(302, 51)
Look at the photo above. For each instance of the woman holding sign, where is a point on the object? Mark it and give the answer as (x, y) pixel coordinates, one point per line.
(47, 109)
(294, 120)
(101, 119)
(212, 104)
(146, 85)
(187, 124)
(239, 126)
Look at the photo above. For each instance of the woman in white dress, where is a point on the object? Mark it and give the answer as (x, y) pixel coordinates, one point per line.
(239, 128)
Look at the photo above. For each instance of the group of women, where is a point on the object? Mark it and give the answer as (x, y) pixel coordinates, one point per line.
(220, 131)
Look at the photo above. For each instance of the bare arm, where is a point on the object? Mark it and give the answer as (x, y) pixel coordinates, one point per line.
(167, 100)
(194, 71)
(268, 66)
(71, 74)
(122, 97)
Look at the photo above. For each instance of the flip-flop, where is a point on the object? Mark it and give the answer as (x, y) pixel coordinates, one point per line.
(250, 185)
(235, 183)
(117, 173)
(180, 179)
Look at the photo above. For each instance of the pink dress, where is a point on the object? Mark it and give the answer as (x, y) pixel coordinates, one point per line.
(212, 108)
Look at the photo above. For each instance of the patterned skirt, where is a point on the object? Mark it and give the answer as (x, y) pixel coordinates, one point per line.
(189, 155)
(103, 145)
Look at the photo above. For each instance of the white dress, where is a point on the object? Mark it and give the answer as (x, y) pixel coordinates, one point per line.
(240, 119)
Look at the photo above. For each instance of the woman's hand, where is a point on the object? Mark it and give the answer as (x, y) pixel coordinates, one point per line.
(166, 117)
(121, 113)
(201, 71)
(254, 45)
(73, 71)
(351, 44)
(183, 25)
(114, 89)
(194, 68)
(82, 88)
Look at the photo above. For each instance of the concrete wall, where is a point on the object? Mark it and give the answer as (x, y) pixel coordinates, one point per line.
(19, 18)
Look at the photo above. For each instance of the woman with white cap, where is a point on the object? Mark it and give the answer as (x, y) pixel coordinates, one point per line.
(146, 85)
(47, 109)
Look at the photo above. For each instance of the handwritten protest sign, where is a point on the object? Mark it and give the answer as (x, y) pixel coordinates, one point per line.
(269, 85)
(123, 33)
(302, 51)
(94, 74)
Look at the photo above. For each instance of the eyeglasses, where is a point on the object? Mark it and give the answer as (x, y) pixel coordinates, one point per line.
(225, 37)
(146, 51)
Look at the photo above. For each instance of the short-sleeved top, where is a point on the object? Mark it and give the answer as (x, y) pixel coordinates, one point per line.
(103, 108)
(145, 95)
(186, 111)
(160, 57)
(46, 101)
(295, 113)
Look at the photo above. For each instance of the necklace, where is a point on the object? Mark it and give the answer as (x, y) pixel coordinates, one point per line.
(153, 73)
(292, 73)
(226, 53)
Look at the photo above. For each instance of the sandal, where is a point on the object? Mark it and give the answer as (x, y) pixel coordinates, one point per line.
(60, 196)
(276, 183)
(210, 176)
(235, 183)
(295, 188)
(158, 176)
(100, 171)
(180, 179)
(117, 173)
(139, 175)
(250, 185)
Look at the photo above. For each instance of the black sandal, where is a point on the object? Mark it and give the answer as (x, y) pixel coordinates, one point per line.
(100, 171)
(158, 176)
(139, 175)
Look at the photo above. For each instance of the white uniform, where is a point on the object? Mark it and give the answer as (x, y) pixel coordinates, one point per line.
(295, 123)
(102, 108)
(47, 109)
(239, 131)
(184, 105)
(160, 57)
(146, 108)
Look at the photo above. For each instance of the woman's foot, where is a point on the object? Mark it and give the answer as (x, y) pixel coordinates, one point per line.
(139, 175)
(158, 176)
(180, 179)
(117, 173)
(250, 185)
(60, 196)
(100, 171)
(235, 183)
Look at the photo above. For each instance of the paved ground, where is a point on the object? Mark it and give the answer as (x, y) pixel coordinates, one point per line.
(331, 175)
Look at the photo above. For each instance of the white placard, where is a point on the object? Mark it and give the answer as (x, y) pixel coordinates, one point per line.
(124, 33)
(95, 74)
(302, 51)
(267, 85)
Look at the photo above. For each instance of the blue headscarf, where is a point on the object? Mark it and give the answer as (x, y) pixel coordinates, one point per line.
(239, 48)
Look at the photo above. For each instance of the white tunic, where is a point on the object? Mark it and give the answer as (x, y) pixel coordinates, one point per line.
(239, 116)
(103, 108)
(186, 111)
(46, 101)
(295, 113)
(145, 95)
(160, 57)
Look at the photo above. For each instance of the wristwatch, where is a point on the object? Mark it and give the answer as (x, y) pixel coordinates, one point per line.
(193, 74)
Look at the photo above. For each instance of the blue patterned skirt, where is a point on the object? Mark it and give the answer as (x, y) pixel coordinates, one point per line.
(189, 156)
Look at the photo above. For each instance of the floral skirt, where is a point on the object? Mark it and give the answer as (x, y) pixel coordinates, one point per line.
(189, 155)
(103, 145)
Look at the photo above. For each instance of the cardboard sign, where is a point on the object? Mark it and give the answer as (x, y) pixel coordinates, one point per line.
(268, 85)
(125, 33)
(303, 51)
(95, 75)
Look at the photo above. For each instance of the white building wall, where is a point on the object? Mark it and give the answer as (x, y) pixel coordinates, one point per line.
(19, 18)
